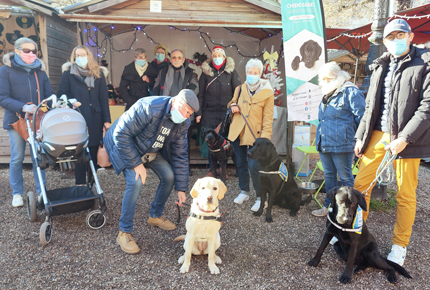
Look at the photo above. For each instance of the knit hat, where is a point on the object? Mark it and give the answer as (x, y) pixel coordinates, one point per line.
(396, 25)
(189, 98)
(160, 46)
(218, 49)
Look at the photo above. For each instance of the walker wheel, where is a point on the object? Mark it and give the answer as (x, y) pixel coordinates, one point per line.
(31, 206)
(95, 219)
(45, 233)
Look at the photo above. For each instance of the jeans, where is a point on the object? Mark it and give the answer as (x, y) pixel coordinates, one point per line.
(243, 165)
(133, 187)
(17, 151)
(337, 164)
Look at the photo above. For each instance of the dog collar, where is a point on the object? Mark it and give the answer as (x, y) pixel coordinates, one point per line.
(357, 230)
(198, 205)
(225, 145)
(201, 217)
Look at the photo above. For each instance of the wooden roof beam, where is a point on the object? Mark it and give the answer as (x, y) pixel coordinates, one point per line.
(267, 4)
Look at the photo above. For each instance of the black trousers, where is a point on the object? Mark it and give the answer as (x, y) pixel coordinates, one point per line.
(83, 170)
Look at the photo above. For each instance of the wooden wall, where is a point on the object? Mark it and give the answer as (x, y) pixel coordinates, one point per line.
(61, 39)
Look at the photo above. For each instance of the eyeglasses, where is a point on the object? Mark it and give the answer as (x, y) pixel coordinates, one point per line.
(184, 110)
(80, 55)
(399, 35)
(27, 50)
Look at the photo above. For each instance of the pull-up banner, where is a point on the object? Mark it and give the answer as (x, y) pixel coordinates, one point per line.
(304, 53)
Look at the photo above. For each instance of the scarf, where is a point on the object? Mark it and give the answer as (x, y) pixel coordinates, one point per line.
(218, 67)
(141, 69)
(28, 67)
(253, 89)
(80, 72)
(335, 84)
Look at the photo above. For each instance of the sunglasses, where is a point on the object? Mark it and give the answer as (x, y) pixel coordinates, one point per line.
(27, 50)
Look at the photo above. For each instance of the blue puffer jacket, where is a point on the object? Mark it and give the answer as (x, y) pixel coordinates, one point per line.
(339, 119)
(132, 135)
(17, 87)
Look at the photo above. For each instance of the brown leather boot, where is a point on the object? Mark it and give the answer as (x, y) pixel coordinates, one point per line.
(162, 223)
(127, 243)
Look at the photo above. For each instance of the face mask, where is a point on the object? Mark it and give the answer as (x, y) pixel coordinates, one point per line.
(176, 116)
(396, 47)
(160, 57)
(28, 58)
(82, 61)
(140, 62)
(218, 60)
(252, 79)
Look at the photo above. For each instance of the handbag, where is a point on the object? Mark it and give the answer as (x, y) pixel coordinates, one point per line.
(21, 125)
(102, 156)
(228, 118)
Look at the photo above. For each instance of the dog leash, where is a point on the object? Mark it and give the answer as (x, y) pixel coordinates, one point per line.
(385, 173)
(178, 217)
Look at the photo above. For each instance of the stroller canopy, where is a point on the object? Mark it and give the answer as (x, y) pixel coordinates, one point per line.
(63, 126)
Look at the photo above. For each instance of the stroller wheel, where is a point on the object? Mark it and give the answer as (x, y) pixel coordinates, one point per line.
(95, 219)
(31, 206)
(45, 233)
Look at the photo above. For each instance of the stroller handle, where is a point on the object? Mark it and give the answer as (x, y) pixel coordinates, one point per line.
(52, 98)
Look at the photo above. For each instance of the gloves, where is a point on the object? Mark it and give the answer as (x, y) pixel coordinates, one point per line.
(28, 108)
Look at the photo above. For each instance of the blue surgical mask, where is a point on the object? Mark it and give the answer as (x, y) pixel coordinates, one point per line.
(140, 62)
(160, 57)
(176, 116)
(396, 47)
(81, 61)
(218, 60)
(252, 79)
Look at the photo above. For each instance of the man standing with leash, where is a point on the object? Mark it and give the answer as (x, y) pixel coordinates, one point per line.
(152, 132)
(397, 112)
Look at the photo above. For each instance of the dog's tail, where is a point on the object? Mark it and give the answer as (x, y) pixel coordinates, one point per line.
(180, 238)
(306, 200)
(399, 269)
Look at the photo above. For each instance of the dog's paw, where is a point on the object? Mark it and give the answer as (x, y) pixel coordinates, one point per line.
(214, 269)
(181, 259)
(269, 219)
(217, 260)
(392, 278)
(185, 268)
(345, 279)
(293, 213)
(313, 263)
(258, 213)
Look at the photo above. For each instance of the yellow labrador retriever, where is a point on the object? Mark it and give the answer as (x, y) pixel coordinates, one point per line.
(203, 223)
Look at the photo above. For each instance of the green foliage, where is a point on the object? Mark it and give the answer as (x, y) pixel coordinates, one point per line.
(384, 205)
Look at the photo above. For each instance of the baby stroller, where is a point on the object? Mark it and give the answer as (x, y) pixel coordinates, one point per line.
(62, 138)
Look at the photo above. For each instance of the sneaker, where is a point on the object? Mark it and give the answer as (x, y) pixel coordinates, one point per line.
(333, 241)
(320, 212)
(243, 195)
(127, 243)
(397, 255)
(257, 204)
(162, 223)
(17, 200)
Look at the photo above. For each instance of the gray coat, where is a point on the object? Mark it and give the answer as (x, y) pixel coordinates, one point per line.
(409, 116)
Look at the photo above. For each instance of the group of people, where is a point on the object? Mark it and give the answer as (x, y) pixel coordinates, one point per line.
(153, 131)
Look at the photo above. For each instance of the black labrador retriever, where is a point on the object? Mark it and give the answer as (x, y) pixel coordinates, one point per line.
(354, 248)
(283, 193)
(310, 52)
(220, 150)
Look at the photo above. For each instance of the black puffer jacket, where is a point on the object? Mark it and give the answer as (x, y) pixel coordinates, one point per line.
(131, 87)
(214, 98)
(409, 115)
(165, 79)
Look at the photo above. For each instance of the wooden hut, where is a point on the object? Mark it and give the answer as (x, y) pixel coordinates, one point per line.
(56, 38)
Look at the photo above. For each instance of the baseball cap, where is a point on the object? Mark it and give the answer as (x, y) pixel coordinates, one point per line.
(189, 98)
(396, 25)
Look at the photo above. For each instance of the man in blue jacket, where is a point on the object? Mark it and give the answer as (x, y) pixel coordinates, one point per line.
(152, 132)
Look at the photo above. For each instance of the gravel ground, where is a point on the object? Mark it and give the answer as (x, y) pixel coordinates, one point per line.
(254, 254)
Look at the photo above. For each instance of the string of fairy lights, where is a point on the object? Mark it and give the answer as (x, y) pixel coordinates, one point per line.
(350, 35)
(139, 31)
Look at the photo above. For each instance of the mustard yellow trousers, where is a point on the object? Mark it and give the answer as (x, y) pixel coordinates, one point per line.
(407, 180)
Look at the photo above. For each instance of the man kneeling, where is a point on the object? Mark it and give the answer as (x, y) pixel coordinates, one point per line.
(152, 132)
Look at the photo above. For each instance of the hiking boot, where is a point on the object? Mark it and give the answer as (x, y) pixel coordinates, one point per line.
(17, 200)
(127, 243)
(162, 223)
(257, 204)
(243, 195)
(320, 212)
(397, 255)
